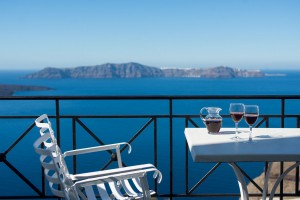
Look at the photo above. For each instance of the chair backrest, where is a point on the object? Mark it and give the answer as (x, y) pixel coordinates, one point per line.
(44, 124)
(52, 160)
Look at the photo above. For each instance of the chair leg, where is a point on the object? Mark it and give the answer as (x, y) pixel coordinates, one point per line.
(145, 186)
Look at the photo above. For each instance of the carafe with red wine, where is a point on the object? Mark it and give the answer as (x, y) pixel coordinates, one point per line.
(213, 120)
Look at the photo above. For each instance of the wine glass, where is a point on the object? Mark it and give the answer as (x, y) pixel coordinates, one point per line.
(236, 112)
(251, 115)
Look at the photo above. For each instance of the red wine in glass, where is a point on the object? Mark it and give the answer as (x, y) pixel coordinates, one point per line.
(250, 119)
(236, 111)
(251, 115)
(237, 116)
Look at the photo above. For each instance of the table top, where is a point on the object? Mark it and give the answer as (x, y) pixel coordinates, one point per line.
(269, 144)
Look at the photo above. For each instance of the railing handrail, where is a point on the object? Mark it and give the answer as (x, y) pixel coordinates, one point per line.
(149, 97)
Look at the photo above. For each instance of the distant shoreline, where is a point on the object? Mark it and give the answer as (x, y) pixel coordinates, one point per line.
(9, 90)
(277, 74)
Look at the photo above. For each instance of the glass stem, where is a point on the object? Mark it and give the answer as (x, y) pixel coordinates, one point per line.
(236, 129)
(250, 134)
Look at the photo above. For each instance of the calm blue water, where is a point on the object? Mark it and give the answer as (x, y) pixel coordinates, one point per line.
(24, 159)
(155, 86)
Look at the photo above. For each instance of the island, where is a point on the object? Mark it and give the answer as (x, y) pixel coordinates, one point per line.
(136, 70)
(8, 90)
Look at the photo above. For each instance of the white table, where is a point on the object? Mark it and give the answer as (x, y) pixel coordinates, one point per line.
(269, 144)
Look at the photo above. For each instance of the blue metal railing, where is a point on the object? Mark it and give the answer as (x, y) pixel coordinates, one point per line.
(172, 114)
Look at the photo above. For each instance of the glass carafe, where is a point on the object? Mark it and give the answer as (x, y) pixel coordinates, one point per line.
(213, 120)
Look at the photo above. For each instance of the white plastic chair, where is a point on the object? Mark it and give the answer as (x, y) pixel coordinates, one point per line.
(107, 184)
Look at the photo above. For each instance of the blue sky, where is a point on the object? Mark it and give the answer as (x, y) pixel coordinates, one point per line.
(250, 34)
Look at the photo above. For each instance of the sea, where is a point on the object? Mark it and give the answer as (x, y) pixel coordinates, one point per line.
(22, 157)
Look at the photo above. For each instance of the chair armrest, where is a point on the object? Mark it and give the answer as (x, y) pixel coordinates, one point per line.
(96, 149)
(144, 167)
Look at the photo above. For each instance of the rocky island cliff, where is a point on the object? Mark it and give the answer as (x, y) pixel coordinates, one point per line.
(8, 90)
(136, 70)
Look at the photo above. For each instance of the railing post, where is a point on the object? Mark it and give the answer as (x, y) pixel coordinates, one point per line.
(74, 144)
(282, 163)
(282, 112)
(171, 146)
(186, 161)
(57, 114)
(155, 145)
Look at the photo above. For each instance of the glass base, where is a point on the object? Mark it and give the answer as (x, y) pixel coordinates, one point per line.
(237, 138)
(251, 140)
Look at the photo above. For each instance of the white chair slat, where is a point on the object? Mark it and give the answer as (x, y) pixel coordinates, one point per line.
(102, 191)
(90, 193)
(116, 191)
(129, 190)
